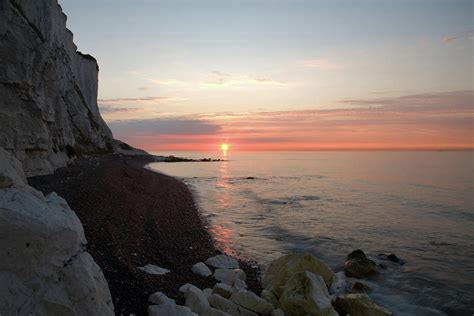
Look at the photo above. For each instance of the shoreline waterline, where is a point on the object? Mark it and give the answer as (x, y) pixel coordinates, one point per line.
(246, 211)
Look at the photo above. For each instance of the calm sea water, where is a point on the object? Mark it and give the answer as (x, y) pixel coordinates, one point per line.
(418, 205)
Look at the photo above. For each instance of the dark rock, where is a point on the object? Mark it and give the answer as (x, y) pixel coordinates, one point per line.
(358, 265)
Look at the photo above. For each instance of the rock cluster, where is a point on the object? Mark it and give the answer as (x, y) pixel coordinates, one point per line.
(48, 89)
(295, 284)
(45, 268)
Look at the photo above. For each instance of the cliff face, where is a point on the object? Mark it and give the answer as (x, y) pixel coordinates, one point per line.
(48, 90)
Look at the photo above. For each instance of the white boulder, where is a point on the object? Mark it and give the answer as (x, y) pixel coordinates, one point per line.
(252, 302)
(45, 269)
(196, 300)
(215, 312)
(228, 276)
(152, 269)
(220, 303)
(160, 298)
(201, 269)
(306, 294)
(223, 261)
(223, 290)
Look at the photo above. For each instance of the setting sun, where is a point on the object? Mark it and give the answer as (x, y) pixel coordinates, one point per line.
(225, 147)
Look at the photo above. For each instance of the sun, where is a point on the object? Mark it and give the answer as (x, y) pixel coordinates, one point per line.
(225, 147)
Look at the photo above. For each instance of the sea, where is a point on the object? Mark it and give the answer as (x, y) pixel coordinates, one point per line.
(418, 205)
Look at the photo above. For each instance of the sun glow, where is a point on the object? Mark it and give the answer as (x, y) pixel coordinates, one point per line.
(225, 147)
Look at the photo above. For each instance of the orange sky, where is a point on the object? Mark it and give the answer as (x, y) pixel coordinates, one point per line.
(423, 121)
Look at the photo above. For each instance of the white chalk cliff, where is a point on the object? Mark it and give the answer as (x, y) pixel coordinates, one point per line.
(48, 89)
(48, 115)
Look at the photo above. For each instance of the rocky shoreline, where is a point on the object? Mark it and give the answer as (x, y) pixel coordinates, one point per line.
(133, 217)
(145, 233)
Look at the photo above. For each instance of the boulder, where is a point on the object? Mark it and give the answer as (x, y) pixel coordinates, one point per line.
(228, 276)
(11, 171)
(240, 284)
(223, 290)
(215, 312)
(306, 294)
(196, 300)
(45, 268)
(358, 265)
(269, 297)
(252, 302)
(159, 298)
(280, 270)
(223, 261)
(359, 305)
(229, 307)
(169, 310)
(152, 269)
(201, 269)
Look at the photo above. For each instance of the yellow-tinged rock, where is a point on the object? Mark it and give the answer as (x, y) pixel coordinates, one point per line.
(280, 270)
(360, 305)
(306, 294)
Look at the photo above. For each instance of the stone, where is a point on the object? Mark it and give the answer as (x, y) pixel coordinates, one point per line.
(223, 262)
(170, 310)
(152, 269)
(223, 290)
(240, 284)
(160, 298)
(359, 305)
(269, 297)
(252, 302)
(215, 312)
(184, 288)
(306, 294)
(196, 300)
(278, 312)
(359, 287)
(201, 269)
(207, 291)
(49, 112)
(228, 276)
(358, 265)
(280, 270)
(220, 303)
(45, 268)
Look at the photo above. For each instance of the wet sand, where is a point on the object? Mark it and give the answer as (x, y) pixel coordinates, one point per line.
(132, 217)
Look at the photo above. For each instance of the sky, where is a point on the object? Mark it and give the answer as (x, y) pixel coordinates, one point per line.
(282, 75)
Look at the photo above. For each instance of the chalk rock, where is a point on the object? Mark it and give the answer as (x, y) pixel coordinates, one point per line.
(45, 269)
(223, 261)
(223, 290)
(160, 298)
(152, 269)
(358, 265)
(306, 294)
(269, 297)
(169, 310)
(201, 269)
(220, 303)
(228, 276)
(48, 89)
(196, 300)
(280, 270)
(252, 302)
(360, 305)
(240, 284)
